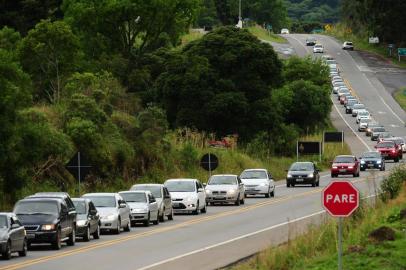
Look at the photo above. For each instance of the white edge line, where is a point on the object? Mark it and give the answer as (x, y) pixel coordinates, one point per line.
(239, 238)
(342, 117)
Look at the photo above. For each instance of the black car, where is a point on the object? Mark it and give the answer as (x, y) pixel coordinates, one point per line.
(88, 219)
(348, 106)
(47, 220)
(372, 160)
(12, 236)
(310, 42)
(303, 173)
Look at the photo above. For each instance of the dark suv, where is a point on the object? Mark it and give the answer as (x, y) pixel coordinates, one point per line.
(47, 220)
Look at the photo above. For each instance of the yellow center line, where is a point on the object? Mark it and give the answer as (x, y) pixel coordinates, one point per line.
(159, 230)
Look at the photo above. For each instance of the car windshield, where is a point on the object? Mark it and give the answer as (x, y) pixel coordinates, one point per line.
(103, 201)
(385, 145)
(301, 166)
(318, 46)
(363, 113)
(3, 222)
(385, 135)
(253, 175)
(349, 43)
(344, 160)
(359, 106)
(371, 155)
(155, 190)
(365, 120)
(36, 207)
(399, 141)
(80, 207)
(181, 186)
(222, 180)
(379, 129)
(134, 196)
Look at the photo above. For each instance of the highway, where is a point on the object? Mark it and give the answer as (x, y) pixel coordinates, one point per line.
(228, 233)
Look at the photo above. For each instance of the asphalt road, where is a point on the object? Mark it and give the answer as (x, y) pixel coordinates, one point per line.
(228, 233)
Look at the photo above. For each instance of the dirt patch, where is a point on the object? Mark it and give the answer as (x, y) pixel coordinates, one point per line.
(382, 234)
(355, 249)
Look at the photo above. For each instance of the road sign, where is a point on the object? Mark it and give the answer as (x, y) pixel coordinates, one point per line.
(79, 167)
(340, 198)
(401, 52)
(373, 40)
(333, 136)
(209, 162)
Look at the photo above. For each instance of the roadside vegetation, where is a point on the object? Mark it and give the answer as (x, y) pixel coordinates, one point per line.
(374, 237)
(263, 34)
(400, 97)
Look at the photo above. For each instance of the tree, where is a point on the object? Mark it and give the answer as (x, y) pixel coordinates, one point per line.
(49, 53)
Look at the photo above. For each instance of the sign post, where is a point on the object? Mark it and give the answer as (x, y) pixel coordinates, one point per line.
(78, 167)
(209, 162)
(401, 52)
(340, 199)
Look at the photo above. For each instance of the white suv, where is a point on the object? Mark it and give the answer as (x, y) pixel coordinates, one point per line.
(188, 195)
(347, 45)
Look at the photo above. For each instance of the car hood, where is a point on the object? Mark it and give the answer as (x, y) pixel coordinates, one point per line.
(105, 211)
(37, 219)
(182, 195)
(370, 159)
(254, 181)
(137, 205)
(220, 187)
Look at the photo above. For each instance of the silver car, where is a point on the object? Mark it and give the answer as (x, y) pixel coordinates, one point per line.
(143, 206)
(114, 211)
(188, 195)
(162, 197)
(225, 188)
(258, 181)
(12, 236)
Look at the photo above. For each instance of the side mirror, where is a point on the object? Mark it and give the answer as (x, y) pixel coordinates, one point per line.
(15, 226)
(123, 205)
(152, 201)
(200, 190)
(204, 184)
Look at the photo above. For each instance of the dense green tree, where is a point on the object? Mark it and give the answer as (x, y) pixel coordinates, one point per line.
(9, 39)
(49, 53)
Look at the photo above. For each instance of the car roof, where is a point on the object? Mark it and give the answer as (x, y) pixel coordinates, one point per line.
(149, 184)
(248, 170)
(181, 179)
(234, 175)
(81, 200)
(100, 194)
(135, 191)
(53, 193)
(345, 156)
(41, 199)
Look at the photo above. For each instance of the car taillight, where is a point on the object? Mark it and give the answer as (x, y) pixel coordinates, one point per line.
(394, 151)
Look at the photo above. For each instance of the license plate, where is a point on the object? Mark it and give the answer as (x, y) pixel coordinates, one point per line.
(342, 170)
(370, 165)
(175, 204)
(30, 236)
(384, 154)
(299, 180)
(250, 188)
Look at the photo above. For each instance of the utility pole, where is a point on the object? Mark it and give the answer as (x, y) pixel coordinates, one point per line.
(239, 24)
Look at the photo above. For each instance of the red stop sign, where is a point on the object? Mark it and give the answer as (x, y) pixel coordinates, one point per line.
(340, 198)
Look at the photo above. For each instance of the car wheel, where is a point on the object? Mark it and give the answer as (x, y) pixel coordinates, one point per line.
(96, 234)
(57, 243)
(318, 182)
(170, 216)
(23, 252)
(396, 159)
(72, 238)
(204, 210)
(156, 222)
(162, 217)
(362, 169)
(333, 175)
(287, 184)
(6, 255)
(242, 200)
(314, 183)
(146, 223)
(238, 201)
(196, 212)
(128, 227)
(86, 236)
(118, 229)
(211, 204)
(267, 195)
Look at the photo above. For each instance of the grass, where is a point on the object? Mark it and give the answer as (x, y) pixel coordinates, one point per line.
(263, 34)
(317, 249)
(400, 97)
(361, 43)
(191, 36)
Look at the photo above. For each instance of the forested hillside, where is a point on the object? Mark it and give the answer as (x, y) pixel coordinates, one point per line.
(323, 11)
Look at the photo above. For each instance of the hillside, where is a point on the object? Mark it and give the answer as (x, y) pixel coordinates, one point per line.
(326, 11)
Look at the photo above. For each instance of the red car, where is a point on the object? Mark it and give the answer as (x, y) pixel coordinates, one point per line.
(389, 150)
(344, 165)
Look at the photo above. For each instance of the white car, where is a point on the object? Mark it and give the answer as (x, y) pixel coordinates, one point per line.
(347, 45)
(114, 211)
(356, 108)
(363, 124)
(258, 181)
(318, 48)
(362, 114)
(188, 195)
(143, 207)
(284, 31)
(225, 188)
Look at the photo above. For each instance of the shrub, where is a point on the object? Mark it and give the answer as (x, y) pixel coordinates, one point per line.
(392, 185)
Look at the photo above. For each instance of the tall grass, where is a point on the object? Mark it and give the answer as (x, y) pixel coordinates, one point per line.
(263, 34)
(400, 97)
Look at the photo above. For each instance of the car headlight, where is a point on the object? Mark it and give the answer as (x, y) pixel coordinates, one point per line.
(310, 175)
(48, 227)
(81, 223)
(289, 175)
(379, 162)
(190, 199)
(208, 191)
(263, 184)
(231, 191)
(334, 167)
(362, 162)
(109, 217)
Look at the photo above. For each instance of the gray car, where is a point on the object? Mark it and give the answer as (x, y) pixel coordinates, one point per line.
(375, 132)
(88, 219)
(301, 173)
(225, 188)
(114, 211)
(162, 197)
(12, 236)
(143, 206)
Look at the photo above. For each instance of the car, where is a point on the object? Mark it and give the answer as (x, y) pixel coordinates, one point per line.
(331, 62)
(318, 48)
(284, 31)
(356, 108)
(384, 136)
(344, 97)
(363, 123)
(372, 160)
(310, 41)
(113, 210)
(143, 205)
(389, 150)
(303, 173)
(334, 73)
(12, 236)
(46, 220)
(348, 45)
(349, 99)
(362, 114)
(345, 165)
(162, 197)
(400, 142)
(188, 195)
(349, 105)
(88, 219)
(327, 57)
(258, 182)
(341, 92)
(340, 87)
(371, 125)
(225, 188)
(375, 132)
